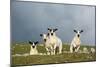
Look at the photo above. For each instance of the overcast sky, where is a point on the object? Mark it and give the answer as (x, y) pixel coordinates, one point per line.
(30, 19)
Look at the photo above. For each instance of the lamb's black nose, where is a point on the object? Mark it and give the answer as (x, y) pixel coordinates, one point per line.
(33, 46)
(78, 35)
(51, 33)
(44, 40)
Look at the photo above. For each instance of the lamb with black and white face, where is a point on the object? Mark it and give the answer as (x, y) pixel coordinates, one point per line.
(75, 44)
(78, 32)
(51, 32)
(33, 50)
(47, 43)
(54, 40)
(44, 37)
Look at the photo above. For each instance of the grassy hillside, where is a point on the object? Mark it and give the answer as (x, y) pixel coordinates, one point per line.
(48, 59)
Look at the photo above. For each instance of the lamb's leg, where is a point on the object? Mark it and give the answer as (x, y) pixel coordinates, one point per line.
(48, 52)
(71, 49)
(60, 49)
(51, 50)
(54, 49)
(76, 50)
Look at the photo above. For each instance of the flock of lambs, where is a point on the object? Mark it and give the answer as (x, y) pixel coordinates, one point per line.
(51, 42)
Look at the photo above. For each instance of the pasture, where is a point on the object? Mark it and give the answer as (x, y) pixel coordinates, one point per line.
(20, 55)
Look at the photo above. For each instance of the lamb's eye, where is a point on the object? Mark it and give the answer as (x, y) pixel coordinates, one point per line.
(50, 30)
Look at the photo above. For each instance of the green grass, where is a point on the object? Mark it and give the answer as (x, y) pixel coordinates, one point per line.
(48, 59)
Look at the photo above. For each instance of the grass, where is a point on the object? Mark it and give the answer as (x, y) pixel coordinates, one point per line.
(48, 59)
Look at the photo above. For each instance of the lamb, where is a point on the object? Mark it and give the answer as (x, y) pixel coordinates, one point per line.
(54, 40)
(33, 50)
(85, 50)
(47, 43)
(75, 44)
(92, 50)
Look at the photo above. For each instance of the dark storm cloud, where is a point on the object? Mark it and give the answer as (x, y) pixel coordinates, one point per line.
(29, 19)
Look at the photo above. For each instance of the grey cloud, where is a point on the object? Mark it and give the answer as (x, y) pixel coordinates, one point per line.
(29, 19)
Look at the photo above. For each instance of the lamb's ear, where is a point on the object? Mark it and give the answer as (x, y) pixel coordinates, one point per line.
(75, 31)
(36, 42)
(30, 42)
(55, 29)
(41, 35)
(81, 31)
(49, 29)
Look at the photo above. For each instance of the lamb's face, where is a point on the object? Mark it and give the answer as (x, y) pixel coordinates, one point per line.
(51, 31)
(33, 44)
(78, 32)
(44, 37)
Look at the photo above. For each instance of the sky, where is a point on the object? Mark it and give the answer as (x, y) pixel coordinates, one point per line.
(30, 19)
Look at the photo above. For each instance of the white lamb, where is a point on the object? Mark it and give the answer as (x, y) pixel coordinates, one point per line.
(54, 40)
(75, 44)
(47, 43)
(92, 50)
(85, 50)
(33, 50)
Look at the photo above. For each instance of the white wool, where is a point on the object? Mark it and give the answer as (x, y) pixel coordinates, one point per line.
(33, 51)
(85, 50)
(92, 50)
(51, 43)
(47, 44)
(55, 42)
(75, 43)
